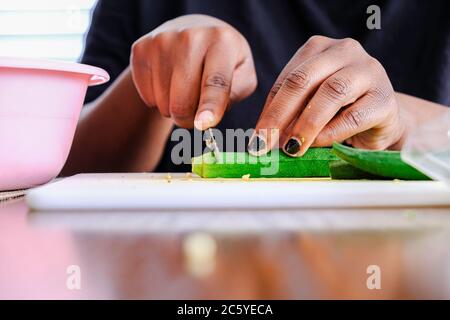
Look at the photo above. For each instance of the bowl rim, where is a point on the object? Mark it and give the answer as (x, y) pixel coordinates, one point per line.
(98, 75)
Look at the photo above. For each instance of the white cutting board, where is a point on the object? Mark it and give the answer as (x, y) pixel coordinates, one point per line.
(179, 191)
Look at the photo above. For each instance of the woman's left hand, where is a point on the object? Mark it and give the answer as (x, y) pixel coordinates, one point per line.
(331, 90)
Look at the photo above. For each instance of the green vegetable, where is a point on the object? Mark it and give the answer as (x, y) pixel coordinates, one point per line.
(342, 170)
(386, 164)
(315, 163)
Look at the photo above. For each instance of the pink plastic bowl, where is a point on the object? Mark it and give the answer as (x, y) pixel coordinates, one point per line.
(40, 104)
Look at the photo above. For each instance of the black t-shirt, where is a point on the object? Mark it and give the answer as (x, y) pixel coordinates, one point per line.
(413, 43)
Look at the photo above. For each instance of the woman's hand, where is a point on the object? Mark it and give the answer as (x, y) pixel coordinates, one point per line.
(192, 68)
(331, 90)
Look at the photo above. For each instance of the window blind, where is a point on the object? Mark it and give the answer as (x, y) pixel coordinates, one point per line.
(52, 29)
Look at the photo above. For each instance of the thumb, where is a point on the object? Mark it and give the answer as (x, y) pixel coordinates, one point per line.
(244, 81)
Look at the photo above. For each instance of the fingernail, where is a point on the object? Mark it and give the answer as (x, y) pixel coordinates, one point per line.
(292, 147)
(204, 120)
(257, 146)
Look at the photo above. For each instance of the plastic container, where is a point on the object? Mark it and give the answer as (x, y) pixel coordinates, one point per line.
(428, 148)
(40, 104)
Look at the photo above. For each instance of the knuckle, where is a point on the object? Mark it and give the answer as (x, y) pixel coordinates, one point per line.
(353, 118)
(275, 89)
(223, 33)
(380, 95)
(350, 44)
(136, 50)
(190, 37)
(374, 64)
(337, 88)
(377, 69)
(157, 43)
(160, 41)
(316, 40)
(297, 80)
(217, 80)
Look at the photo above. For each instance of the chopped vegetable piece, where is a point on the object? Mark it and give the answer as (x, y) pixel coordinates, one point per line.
(387, 164)
(315, 163)
(342, 170)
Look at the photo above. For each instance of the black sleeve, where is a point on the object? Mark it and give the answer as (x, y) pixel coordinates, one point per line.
(115, 26)
(108, 43)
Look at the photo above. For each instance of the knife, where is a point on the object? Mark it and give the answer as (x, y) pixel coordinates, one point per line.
(211, 143)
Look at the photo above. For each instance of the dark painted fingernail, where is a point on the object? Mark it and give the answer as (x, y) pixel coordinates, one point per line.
(256, 145)
(292, 147)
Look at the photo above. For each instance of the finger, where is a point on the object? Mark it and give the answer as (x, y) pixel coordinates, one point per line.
(244, 80)
(142, 73)
(161, 72)
(286, 134)
(185, 86)
(312, 47)
(297, 88)
(339, 90)
(220, 63)
(368, 112)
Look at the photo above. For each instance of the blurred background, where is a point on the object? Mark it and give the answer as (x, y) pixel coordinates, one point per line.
(52, 29)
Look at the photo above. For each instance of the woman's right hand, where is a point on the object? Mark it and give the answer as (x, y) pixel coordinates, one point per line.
(192, 68)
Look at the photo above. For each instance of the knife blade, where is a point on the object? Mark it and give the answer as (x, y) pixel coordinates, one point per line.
(211, 143)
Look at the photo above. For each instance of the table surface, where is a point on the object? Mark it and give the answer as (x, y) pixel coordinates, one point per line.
(224, 255)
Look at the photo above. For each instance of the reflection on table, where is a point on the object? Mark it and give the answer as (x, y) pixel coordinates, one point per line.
(241, 255)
